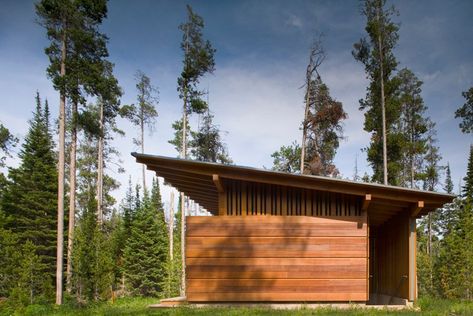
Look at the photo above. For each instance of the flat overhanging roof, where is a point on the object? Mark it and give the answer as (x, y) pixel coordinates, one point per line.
(195, 179)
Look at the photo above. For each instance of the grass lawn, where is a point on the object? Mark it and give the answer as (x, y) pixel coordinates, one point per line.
(138, 306)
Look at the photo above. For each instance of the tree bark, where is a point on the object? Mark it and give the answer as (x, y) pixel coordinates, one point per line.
(383, 109)
(304, 127)
(61, 167)
(100, 168)
(72, 197)
(183, 200)
(171, 228)
(142, 126)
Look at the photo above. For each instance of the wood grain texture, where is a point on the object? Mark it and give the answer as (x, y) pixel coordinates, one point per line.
(276, 258)
(391, 258)
(276, 297)
(279, 247)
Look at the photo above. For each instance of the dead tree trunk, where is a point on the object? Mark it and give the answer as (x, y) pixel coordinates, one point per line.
(316, 57)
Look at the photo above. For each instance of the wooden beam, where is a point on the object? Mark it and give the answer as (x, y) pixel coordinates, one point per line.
(366, 202)
(218, 183)
(312, 182)
(417, 208)
(412, 260)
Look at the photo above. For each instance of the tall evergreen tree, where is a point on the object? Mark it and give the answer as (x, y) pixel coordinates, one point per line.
(29, 199)
(454, 266)
(88, 164)
(92, 258)
(446, 215)
(144, 113)
(207, 144)
(467, 191)
(431, 170)
(448, 179)
(429, 228)
(413, 126)
(9, 258)
(465, 112)
(198, 61)
(146, 248)
(380, 103)
(76, 53)
(108, 108)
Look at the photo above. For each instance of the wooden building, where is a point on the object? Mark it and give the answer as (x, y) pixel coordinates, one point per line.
(278, 237)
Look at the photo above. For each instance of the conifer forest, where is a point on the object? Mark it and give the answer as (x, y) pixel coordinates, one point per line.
(81, 223)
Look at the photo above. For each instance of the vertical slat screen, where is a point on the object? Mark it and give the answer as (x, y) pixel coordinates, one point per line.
(247, 198)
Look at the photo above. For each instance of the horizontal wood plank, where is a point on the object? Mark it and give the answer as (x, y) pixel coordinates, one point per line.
(268, 219)
(275, 297)
(287, 268)
(277, 230)
(275, 285)
(280, 247)
(276, 258)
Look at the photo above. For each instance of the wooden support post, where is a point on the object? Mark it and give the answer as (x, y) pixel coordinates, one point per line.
(412, 260)
(366, 202)
(222, 197)
(417, 208)
(218, 183)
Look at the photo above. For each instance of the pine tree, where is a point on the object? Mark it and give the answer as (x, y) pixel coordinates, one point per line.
(91, 258)
(376, 54)
(144, 114)
(7, 142)
(31, 287)
(198, 61)
(145, 250)
(431, 170)
(465, 112)
(88, 164)
(413, 126)
(448, 179)
(430, 177)
(446, 215)
(287, 158)
(207, 144)
(467, 191)
(177, 140)
(9, 258)
(76, 54)
(455, 263)
(108, 108)
(323, 130)
(29, 199)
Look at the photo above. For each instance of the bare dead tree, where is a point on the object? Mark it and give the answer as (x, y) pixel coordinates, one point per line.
(316, 58)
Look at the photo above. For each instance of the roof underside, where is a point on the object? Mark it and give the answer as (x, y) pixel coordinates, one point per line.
(195, 179)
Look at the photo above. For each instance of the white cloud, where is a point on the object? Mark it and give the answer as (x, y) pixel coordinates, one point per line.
(294, 21)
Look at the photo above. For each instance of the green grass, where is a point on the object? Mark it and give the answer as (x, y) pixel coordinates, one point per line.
(139, 306)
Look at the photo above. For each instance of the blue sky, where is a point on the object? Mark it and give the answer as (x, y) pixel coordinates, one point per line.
(262, 51)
